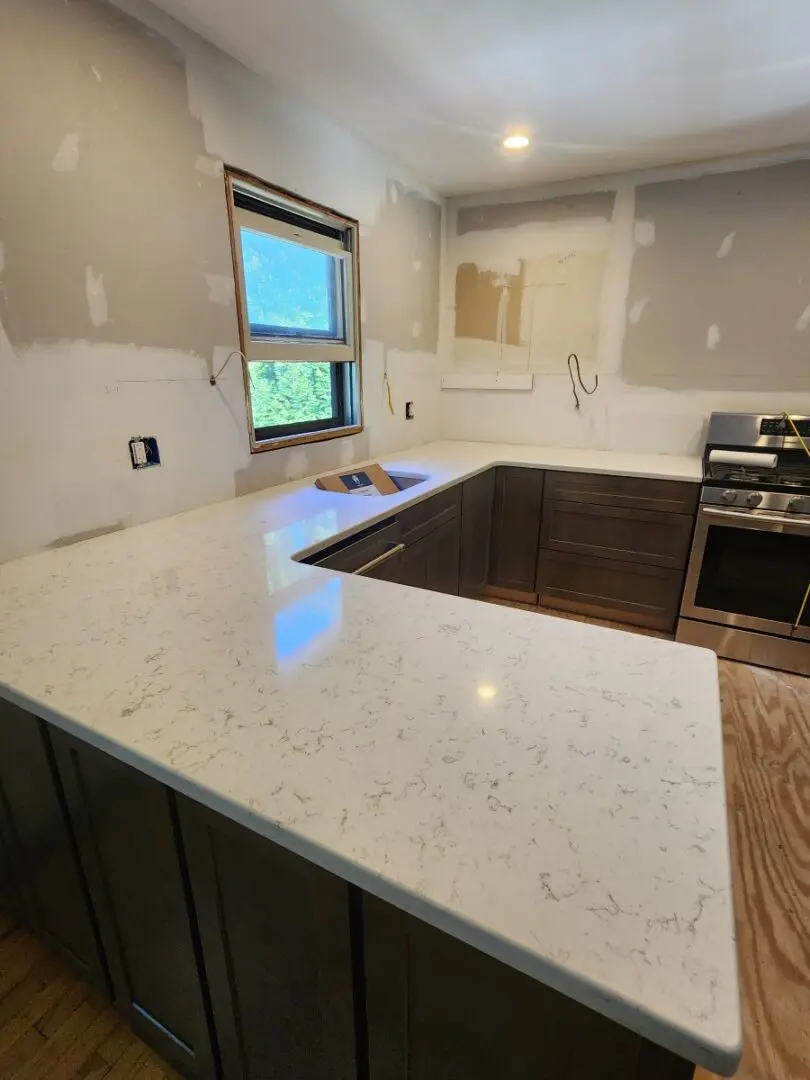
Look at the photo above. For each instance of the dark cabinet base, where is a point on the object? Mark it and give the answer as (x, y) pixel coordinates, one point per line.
(440, 1010)
(639, 595)
(126, 828)
(40, 875)
(276, 937)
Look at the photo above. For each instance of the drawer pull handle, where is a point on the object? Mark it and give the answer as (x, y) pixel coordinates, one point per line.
(386, 555)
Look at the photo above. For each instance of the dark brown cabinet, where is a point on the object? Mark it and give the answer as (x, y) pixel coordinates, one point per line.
(420, 547)
(276, 935)
(516, 532)
(639, 595)
(615, 547)
(438, 1008)
(477, 504)
(127, 830)
(611, 532)
(43, 879)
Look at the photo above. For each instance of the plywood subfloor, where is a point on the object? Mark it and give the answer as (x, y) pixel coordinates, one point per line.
(54, 1027)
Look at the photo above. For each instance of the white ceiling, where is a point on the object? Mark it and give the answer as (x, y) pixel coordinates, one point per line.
(603, 85)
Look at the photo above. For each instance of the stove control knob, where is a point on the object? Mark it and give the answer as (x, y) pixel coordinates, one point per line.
(754, 498)
(729, 495)
(800, 504)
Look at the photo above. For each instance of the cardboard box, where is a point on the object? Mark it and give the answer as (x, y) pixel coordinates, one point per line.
(368, 480)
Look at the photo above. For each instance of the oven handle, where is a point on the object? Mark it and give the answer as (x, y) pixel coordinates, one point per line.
(758, 521)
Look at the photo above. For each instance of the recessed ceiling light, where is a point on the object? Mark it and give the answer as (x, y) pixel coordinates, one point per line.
(486, 692)
(516, 142)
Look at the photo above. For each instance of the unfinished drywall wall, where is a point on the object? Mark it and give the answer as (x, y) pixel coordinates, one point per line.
(116, 285)
(110, 231)
(400, 262)
(685, 294)
(720, 286)
(528, 281)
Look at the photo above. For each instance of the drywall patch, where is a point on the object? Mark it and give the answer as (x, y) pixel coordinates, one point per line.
(66, 158)
(2, 257)
(141, 212)
(713, 337)
(220, 289)
(803, 320)
(644, 233)
(595, 204)
(754, 295)
(96, 296)
(209, 166)
(416, 329)
(724, 250)
(89, 534)
(488, 304)
(96, 72)
(637, 309)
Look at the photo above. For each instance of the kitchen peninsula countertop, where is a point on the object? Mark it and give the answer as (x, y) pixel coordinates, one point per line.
(548, 791)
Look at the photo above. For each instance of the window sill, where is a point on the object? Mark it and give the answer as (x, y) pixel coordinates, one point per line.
(304, 437)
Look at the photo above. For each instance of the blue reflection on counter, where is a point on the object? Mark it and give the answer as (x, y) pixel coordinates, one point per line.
(301, 626)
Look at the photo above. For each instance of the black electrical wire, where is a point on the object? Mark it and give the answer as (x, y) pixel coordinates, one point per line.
(578, 379)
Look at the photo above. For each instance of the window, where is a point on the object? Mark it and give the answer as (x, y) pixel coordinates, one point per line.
(296, 274)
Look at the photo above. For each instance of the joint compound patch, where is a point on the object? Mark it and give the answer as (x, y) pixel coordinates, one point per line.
(220, 288)
(66, 158)
(725, 248)
(644, 233)
(713, 337)
(2, 257)
(803, 320)
(637, 309)
(416, 329)
(96, 72)
(96, 296)
(208, 165)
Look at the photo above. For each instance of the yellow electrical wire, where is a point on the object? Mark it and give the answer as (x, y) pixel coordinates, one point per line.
(805, 447)
(802, 608)
(388, 388)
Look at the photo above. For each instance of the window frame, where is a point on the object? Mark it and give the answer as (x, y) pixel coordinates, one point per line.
(296, 216)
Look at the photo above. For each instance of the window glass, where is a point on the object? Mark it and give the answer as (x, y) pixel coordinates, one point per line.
(290, 288)
(282, 394)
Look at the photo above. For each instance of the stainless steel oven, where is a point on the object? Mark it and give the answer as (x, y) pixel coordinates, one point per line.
(747, 591)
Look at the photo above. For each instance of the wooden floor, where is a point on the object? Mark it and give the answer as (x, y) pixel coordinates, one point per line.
(55, 1028)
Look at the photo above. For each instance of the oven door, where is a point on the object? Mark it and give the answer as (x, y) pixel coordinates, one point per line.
(751, 569)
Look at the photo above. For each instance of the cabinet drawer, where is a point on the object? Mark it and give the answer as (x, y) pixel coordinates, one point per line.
(637, 536)
(636, 492)
(355, 551)
(417, 521)
(640, 595)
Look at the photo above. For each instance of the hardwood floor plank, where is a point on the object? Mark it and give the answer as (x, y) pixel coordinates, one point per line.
(129, 1062)
(19, 953)
(25, 1048)
(45, 1062)
(63, 1008)
(27, 1016)
(77, 1052)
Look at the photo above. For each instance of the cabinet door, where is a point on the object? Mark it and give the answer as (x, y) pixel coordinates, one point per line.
(128, 835)
(41, 867)
(442, 558)
(639, 595)
(276, 937)
(440, 1010)
(477, 502)
(516, 531)
(609, 532)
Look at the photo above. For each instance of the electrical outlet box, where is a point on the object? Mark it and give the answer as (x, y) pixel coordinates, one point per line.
(409, 413)
(143, 450)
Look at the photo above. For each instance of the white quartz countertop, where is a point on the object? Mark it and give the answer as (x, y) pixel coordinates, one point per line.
(549, 791)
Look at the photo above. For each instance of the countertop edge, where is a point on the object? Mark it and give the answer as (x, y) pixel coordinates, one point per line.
(722, 1059)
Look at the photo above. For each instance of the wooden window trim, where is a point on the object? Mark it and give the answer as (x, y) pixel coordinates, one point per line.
(231, 174)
